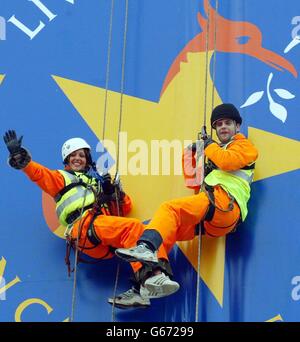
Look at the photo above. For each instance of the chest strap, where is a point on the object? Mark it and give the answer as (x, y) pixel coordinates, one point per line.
(71, 218)
(72, 185)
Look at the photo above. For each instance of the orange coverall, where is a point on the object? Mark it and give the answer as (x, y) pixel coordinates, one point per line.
(113, 231)
(175, 220)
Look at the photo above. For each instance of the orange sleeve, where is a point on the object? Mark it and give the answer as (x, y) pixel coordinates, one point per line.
(50, 181)
(126, 205)
(239, 153)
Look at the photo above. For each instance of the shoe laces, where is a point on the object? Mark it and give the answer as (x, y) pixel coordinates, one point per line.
(143, 248)
(128, 294)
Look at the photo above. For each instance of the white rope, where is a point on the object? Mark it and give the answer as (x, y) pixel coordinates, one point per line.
(76, 258)
(206, 62)
(198, 275)
(205, 116)
(108, 66)
(122, 81)
(204, 119)
(215, 57)
(118, 144)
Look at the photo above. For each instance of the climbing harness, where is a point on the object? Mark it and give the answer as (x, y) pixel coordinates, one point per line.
(71, 243)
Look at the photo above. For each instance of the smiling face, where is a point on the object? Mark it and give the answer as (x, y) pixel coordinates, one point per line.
(77, 160)
(226, 129)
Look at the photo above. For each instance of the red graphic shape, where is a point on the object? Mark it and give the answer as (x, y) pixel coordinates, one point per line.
(49, 212)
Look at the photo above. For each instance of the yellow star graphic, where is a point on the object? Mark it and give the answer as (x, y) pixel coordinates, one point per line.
(1, 78)
(178, 115)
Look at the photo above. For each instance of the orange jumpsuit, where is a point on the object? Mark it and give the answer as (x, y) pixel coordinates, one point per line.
(113, 231)
(175, 220)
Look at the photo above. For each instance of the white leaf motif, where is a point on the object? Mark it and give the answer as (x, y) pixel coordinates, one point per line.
(278, 111)
(285, 94)
(255, 97)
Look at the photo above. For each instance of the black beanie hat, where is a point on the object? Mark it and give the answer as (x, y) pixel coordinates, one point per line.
(225, 111)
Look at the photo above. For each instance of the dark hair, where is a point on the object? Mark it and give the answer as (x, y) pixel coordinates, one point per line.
(88, 156)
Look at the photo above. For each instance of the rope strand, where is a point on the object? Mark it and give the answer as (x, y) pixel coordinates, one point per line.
(122, 81)
(108, 66)
(206, 62)
(215, 57)
(198, 275)
(204, 119)
(118, 144)
(76, 258)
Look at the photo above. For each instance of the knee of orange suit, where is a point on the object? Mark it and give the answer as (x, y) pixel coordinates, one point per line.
(165, 206)
(136, 222)
(223, 222)
(214, 231)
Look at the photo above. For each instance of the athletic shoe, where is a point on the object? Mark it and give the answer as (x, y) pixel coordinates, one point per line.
(130, 299)
(158, 286)
(139, 253)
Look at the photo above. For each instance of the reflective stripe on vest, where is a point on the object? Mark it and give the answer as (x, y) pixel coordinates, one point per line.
(77, 196)
(242, 174)
(247, 175)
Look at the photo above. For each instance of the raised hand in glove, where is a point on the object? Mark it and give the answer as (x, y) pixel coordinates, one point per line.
(19, 157)
(12, 142)
(107, 186)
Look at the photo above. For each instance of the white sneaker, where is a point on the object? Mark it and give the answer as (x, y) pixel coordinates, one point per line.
(130, 299)
(139, 253)
(159, 286)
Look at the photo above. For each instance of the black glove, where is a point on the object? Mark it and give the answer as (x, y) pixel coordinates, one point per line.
(12, 142)
(203, 133)
(205, 137)
(107, 186)
(207, 141)
(118, 186)
(19, 157)
(209, 167)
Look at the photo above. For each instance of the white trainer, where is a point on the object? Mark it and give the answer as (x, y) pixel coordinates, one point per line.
(159, 286)
(139, 253)
(130, 299)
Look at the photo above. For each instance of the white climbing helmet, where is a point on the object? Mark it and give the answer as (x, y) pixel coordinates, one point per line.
(72, 145)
